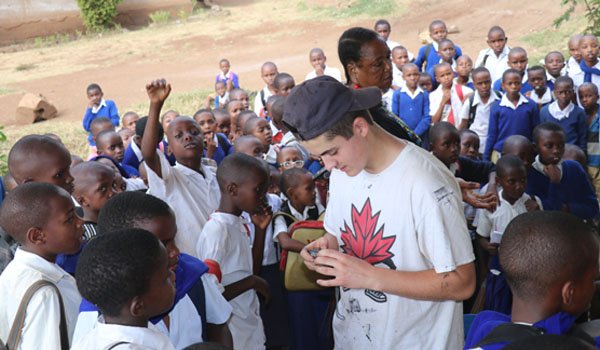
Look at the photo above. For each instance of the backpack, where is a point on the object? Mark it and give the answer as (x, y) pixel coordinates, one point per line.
(512, 332)
(428, 48)
(297, 277)
(473, 109)
(14, 336)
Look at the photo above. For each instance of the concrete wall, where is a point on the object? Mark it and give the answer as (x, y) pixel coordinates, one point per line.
(25, 19)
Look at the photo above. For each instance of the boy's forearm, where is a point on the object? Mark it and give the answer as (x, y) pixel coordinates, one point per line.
(150, 139)
(87, 119)
(239, 287)
(219, 333)
(258, 249)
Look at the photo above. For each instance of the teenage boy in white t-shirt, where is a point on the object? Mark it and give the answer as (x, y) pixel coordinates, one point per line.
(397, 241)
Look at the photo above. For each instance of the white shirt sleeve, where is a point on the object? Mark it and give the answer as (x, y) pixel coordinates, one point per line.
(157, 184)
(86, 321)
(434, 102)
(42, 322)
(218, 310)
(258, 105)
(212, 242)
(279, 227)
(484, 225)
(479, 59)
(464, 111)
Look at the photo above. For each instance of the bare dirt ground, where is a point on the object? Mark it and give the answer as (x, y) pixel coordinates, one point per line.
(187, 54)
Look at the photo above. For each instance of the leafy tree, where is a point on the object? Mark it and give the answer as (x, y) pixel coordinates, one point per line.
(98, 14)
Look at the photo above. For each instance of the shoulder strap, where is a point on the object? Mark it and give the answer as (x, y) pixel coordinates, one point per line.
(485, 58)
(112, 346)
(262, 98)
(313, 213)
(223, 144)
(427, 51)
(472, 109)
(497, 93)
(289, 218)
(509, 333)
(459, 92)
(14, 337)
(198, 296)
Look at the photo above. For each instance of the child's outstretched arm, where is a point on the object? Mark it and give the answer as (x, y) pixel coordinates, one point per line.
(158, 91)
(251, 282)
(113, 112)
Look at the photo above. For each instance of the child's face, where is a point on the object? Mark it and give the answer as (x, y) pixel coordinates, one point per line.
(252, 148)
(234, 108)
(464, 66)
(551, 147)
(383, 30)
(574, 49)
(120, 185)
(304, 193)
(425, 82)
(126, 135)
(161, 290)
(50, 166)
(224, 124)
(112, 147)
(317, 60)
(243, 97)
(411, 75)
(400, 58)
(220, 89)
(95, 95)
(185, 139)
(207, 123)
(588, 97)
(483, 84)
(447, 51)
(497, 40)
(588, 48)
(129, 121)
(438, 32)
(554, 63)
(447, 147)
(251, 193)
(168, 118)
(524, 152)
(537, 80)
(63, 232)
(102, 188)
(165, 229)
(444, 75)
(274, 178)
(263, 132)
(224, 65)
(563, 93)
(268, 74)
(289, 157)
(518, 61)
(513, 183)
(469, 145)
(512, 84)
(285, 87)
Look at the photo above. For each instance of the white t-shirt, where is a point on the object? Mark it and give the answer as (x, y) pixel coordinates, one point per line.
(580, 75)
(495, 64)
(258, 105)
(481, 122)
(329, 71)
(42, 320)
(226, 239)
(270, 252)
(410, 217)
(192, 197)
(105, 336)
(455, 106)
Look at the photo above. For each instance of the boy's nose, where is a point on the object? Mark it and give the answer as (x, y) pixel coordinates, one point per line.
(328, 162)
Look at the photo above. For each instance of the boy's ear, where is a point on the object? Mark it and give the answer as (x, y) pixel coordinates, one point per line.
(36, 236)
(289, 192)
(82, 201)
(232, 189)
(360, 127)
(136, 307)
(567, 293)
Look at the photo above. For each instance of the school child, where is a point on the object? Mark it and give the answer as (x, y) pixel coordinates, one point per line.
(383, 28)
(200, 312)
(317, 60)
(565, 113)
(143, 288)
(259, 127)
(110, 144)
(283, 84)
(274, 178)
(494, 58)
(165, 120)
(243, 182)
(240, 124)
(541, 93)
(588, 95)
(268, 71)
(97, 126)
(425, 82)
(560, 184)
(410, 103)
(126, 136)
(98, 107)
(288, 158)
(133, 153)
(447, 100)
(216, 144)
(233, 108)
(464, 67)
(517, 60)
(240, 95)
(129, 119)
(549, 298)
(308, 309)
(573, 152)
(513, 114)
(94, 185)
(399, 59)
(475, 113)
(575, 56)
(428, 55)
(469, 144)
(589, 64)
(249, 145)
(288, 139)
(554, 63)
(511, 176)
(219, 98)
(230, 79)
(54, 229)
(189, 187)
(521, 147)
(277, 126)
(123, 181)
(447, 52)
(223, 121)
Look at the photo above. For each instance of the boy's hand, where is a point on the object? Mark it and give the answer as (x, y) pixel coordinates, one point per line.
(320, 70)
(210, 145)
(531, 204)
(446, 95)
(348, 271)
(93, 102)
(158, 90)
(553, 173)
(491, 248)
(487, 201)
(262, 288)
(317, 245)
(261, 218)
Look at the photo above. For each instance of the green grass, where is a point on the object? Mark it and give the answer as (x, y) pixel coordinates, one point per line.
(160, 17)
(6, 90)
(551, 39)
(25, 67)
(186, 103)
(354, 8)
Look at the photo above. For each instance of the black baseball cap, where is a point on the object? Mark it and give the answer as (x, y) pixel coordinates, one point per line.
(314, 106)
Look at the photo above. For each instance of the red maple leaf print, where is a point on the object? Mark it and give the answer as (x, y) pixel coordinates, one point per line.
(363, 242)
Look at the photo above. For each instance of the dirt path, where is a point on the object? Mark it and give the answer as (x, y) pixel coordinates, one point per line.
(187, 54)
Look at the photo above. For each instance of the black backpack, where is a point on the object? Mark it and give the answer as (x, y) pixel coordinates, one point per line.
(512, 332)
(473, 109)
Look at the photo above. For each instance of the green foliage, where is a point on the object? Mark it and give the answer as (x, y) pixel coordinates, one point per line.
(354, 8)
(24, 67)
(98, 14)
(160, 17)
(592, 14)
(3, 156)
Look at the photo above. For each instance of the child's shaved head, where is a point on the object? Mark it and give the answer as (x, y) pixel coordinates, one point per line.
(248, 144)
(237, 168)
(243, 119)
(250, 125)
(88, 174)
(440, 128)
(496, 30)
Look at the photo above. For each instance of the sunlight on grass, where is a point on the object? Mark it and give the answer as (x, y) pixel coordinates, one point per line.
(186, 103)
(551, 39)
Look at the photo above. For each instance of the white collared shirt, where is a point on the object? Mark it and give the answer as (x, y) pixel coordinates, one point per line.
(41, 330)
(481, 122)
(411, 94)
(282, 227)
(269, 252)
(392, 44)
(95, 108)
(137, 151)
(435, 99)
(387, 99)
(106, 335)
(495, 64)
(258, 105)
(505, 102)
(192, 197)
(560, 114)
(573, 67)
(539, 166)
(498, 220)
(546, 97)
(329, 71)
(580, 75)
(398, 79)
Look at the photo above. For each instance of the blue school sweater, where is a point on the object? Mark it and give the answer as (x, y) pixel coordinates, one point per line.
(574, 126)
(593, 142)
(574, 190)
(505, 122)
(524, 88)
(433, 58)
(130, 158)
(224, 148)
(414, 112)
(109, 111)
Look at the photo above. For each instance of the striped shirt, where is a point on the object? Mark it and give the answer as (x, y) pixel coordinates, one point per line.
(89, 230)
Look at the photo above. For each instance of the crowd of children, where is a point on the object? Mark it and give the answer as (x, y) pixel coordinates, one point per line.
(176, 231)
